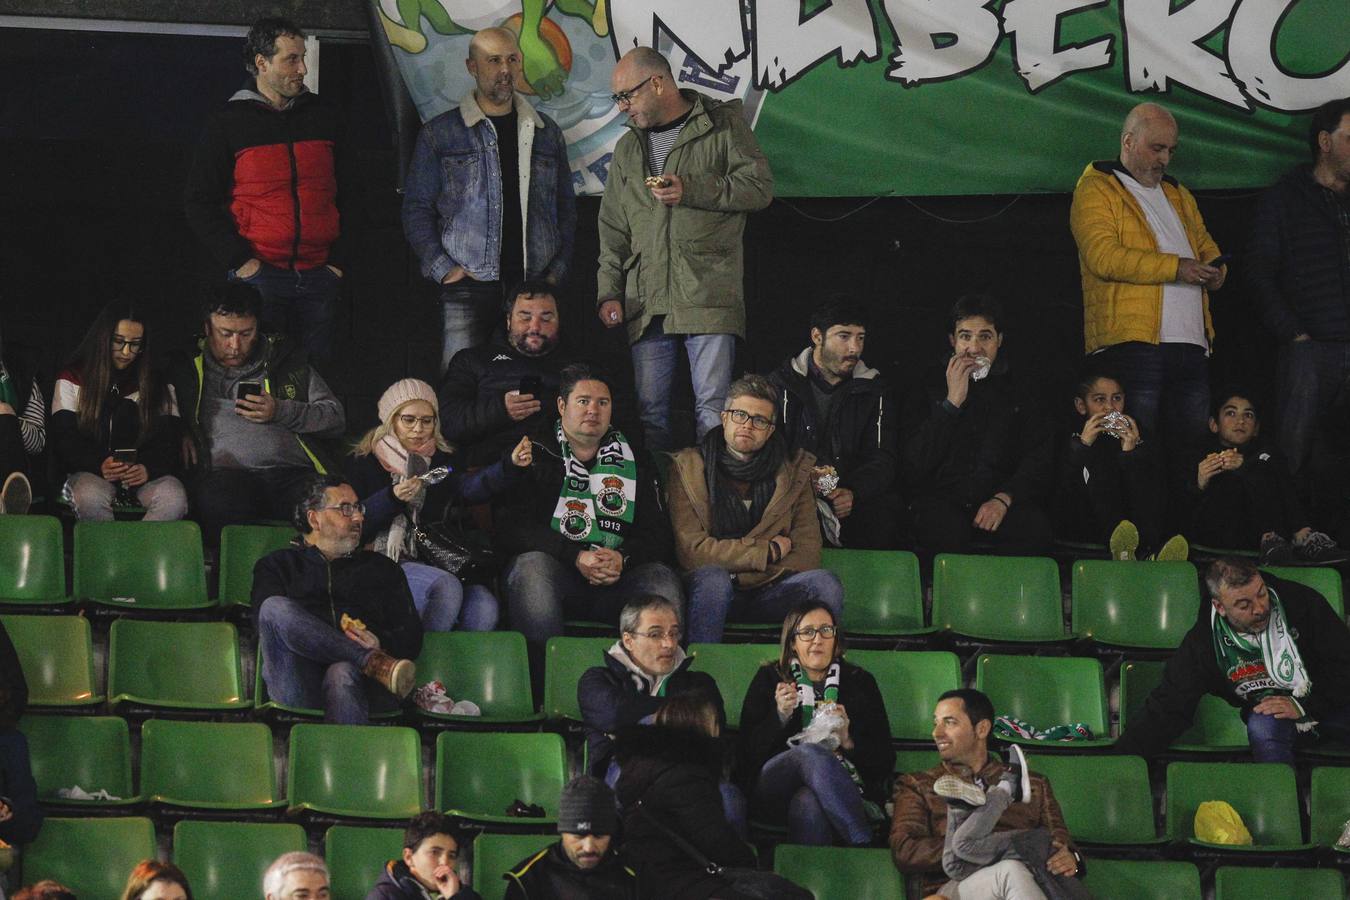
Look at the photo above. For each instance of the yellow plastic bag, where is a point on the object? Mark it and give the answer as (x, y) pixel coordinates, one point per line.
(1216, 822)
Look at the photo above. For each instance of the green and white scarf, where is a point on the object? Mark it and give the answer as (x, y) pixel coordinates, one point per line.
(8, 392)
(596, 506)
(806, 690)
(1265, 664)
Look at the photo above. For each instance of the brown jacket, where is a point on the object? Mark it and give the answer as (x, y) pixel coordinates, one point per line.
(791, 511)
(919, 825)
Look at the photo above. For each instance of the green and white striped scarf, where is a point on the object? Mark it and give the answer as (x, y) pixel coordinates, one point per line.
(596, 505)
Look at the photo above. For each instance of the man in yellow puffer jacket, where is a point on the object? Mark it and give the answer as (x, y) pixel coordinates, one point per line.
(1142, 247)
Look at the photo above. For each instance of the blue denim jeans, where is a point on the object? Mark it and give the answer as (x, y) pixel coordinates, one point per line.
(808, 787)
(1273, 739)
(1310, 377)
(713, 599)
(300, 303)
(541, 591)
(1165, 384)
(654, 364)
(18, 789)
(308, 663)
(469, 311)
(445, 603)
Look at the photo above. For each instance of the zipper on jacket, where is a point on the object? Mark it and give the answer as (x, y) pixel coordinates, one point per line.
(332, 604)
(295, 199)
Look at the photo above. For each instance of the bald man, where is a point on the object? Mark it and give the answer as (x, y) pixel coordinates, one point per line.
(680, 185)
(1144, 253)
(488, 201)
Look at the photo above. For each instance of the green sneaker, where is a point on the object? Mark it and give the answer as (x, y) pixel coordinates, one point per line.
(1124, 540)
(1175, 549)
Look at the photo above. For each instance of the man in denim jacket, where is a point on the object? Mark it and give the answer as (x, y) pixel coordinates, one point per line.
(475, 229)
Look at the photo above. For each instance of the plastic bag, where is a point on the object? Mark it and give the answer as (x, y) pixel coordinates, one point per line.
(1216, 822)
(824, 728)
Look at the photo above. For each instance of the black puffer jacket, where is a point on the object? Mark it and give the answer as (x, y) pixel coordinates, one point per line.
(397, 883)
(550, 875)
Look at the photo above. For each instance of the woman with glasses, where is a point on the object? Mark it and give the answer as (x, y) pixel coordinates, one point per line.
(829, 787)
(115, 427)
(387, 473)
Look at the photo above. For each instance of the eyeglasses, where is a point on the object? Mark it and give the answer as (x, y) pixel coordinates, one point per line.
(624, 97)
(121, 343)
(347, 509)
(656, 635)
(408, 421)
(740, 417)
(810, 631)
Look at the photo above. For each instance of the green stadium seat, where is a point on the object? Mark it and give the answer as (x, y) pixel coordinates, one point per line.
(226, 860)
(356, 856)
(481, 773)
(266, 706)
(1217, 728)
(175, 665)
(32, 561)
(92, 857)
(93, 752)
(1243, 883)
(1323, 579)
(733, 667)
(240, 547)
(910, 683)
(882, 590)
(1126, 605)
(1329, 803)
(907, 761)
(565, 659)
(1118, 879)
(494, 854)
(1264, 795)
(141, 565)
(209, 765)
(57, 656)
(490, 668)
(355, 771)
(998, 598)
(1048, 690)
(1105, 799)
(840, 873)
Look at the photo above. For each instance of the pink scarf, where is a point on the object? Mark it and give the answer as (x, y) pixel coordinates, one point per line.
(392, 455)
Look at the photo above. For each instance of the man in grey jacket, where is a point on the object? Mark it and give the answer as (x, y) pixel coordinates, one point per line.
(671, 261)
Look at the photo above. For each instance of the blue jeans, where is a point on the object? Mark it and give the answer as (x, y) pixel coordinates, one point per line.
(444, 602)
(1311, 376)
(808, 786)
(541, 590)
(19, 789)
(1272, 739)
(654, 363)
(712, 596)
(300, 303)
(308, 663)
(1170, 381)
(469, 311)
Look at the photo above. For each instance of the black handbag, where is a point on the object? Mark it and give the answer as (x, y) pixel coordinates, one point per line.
(439, 545)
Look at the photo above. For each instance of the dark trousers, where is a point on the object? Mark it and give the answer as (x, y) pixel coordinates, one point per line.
(1234, 512)
(13, 458)
(948, 526)
(1165, 384)
(873, 524)
(243, 496)
(300, 303)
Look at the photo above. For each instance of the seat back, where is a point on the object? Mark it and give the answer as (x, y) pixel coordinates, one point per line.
(356, 856)
(1263, 794)
(885, 595)
(140, 565)
(840, 873)
(1105, 799)
(57, 657)
(481, 773)
(240, 547)
(1323, 579)
(565, 659)
(208, 765)
(488, 667)
(227, 860)
(92, 857)
(1118, 879)
(999, 598)
(177, 665)
(1150, 606)
(361, 771)
(92, 752)
(495, 854)
(733, 667)
(1217, 727)
(1245, 882)
(32, 560)
(910, 683)
(1329, 804)
(1046, 690)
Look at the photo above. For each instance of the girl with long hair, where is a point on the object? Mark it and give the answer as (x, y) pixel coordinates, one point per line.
(154, 880)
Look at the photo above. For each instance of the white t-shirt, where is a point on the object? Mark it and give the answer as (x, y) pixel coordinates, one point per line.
(1183, 314)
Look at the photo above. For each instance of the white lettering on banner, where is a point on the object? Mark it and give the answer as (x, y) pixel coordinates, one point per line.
(1162, 46)
(787, 44)
(713, 31)
(1251, 54)
(1034, 26)
(940, 39)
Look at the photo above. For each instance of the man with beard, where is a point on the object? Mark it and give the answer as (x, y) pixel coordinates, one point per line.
(496, 393)
(1273, 648)
(488, 198)
(337, 624)
(583, 864)
(836, 407)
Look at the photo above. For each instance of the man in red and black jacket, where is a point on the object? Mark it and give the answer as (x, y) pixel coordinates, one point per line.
(263, 191)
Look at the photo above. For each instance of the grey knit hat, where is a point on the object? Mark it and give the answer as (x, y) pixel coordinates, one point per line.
(587, 807)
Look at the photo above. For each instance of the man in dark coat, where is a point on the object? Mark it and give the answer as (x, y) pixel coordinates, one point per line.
(583, 865)
(427, 870)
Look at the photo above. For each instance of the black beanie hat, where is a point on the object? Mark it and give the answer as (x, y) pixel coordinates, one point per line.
(587, 807)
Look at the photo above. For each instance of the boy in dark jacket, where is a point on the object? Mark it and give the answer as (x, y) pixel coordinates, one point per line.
(583, 865)
(427, 870)
(335, 622)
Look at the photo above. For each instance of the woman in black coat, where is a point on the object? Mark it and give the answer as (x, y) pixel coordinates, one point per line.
(826, 792)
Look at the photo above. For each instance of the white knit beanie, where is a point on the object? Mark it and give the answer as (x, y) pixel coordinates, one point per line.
(405, 391)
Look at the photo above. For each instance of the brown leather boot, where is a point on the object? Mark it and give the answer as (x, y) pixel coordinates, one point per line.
(394, 675)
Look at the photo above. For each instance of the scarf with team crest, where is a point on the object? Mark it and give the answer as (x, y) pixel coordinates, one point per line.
(1264, 664)
(596, 505)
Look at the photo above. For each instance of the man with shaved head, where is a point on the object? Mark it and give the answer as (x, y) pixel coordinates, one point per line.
(1146, 260)
(679, 187)
(488, 200)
